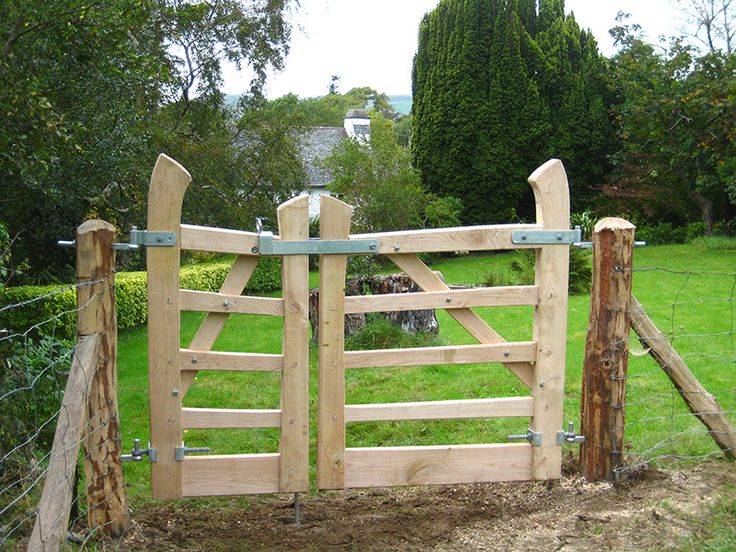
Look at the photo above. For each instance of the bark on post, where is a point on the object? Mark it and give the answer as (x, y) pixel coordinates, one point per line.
(107, 503)
(606, 350)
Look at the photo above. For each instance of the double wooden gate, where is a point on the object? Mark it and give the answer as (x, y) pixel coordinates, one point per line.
(539, 364)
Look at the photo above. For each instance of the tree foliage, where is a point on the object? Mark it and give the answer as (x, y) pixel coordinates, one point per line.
(499, 87)
(93, 91)
(380, 182)
(676, 120)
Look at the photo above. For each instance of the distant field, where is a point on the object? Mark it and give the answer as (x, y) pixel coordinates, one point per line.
(702, 306)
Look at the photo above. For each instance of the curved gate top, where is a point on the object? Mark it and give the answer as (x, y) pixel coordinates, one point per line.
(539, 364)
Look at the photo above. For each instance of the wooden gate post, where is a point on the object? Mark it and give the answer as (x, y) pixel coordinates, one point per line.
(169, 182)
(552, 197)
(606, 350)
(334, 224)
(107, 502)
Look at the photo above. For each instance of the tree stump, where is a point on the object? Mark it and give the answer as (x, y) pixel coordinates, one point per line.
(417, 321)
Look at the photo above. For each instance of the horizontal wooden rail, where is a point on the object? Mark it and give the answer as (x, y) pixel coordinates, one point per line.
(466, 238)
(245, 362)
(525, 351)
(504, 407)
(221, 418)
(230, 474)
(206, 301)
(505, 296)
(437, 465)
(218, 240)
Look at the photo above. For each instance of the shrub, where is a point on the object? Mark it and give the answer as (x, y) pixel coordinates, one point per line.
(32, 380)
(695, 230)
(661, 234)
(522, 271)
(379, 333)
(54, 309)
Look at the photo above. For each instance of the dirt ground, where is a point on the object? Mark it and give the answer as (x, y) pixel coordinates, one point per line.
(653, 510)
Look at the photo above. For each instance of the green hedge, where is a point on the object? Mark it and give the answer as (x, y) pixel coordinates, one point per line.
(55, 309)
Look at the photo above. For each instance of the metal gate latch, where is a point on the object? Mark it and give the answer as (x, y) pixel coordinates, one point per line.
(569, 436)
(534, 437)
(150, 238)
(547, 237)
(138, 454)
(267, 245)
(182, 451)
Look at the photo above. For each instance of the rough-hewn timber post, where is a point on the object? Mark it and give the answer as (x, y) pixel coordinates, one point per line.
(606, 350)
(107, 503)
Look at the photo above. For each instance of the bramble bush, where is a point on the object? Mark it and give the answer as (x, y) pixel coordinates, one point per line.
(56, 314)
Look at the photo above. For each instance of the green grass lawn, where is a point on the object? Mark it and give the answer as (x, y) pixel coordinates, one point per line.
(684, 306)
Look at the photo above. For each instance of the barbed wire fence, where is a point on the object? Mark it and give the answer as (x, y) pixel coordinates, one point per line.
(698, 321)
(34, 365)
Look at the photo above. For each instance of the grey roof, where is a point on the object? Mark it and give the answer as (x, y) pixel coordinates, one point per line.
(316, 144)
(357, 114)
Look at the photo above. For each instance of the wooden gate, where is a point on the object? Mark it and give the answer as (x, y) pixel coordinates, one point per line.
(539, 364)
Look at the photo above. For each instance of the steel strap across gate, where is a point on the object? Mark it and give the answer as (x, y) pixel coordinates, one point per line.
(539, 364)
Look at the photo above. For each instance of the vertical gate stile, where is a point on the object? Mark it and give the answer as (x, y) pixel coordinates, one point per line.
(335, 219)
(169, 182)
(551, 194)
(293, 219)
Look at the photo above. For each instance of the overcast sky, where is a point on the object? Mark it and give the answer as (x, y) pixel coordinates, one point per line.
(372, 42)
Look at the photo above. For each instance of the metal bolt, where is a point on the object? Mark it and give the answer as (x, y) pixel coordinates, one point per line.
(372, 247)
(506, 354)
(226, 303)
(448, 300)
(194, 360)
(558, 237)
(254, 249)
(159, 239)
(397, 247)
(175, 392)
(523, 236)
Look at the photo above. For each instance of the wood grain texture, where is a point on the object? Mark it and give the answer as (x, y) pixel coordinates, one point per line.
(218, 240)
(702, 404)
(524, 351)
(467, 318)
(453, 299)
(220, 418)
(334, 224)
(225, 361)
(466, 238)
(54, 506)
(231, 304)
(293, 218)
(551, 194)
(169, 182)
(607, 350)
(437, 465)
(231, 474)
(107, 502)
(234, 284)
(505, 407)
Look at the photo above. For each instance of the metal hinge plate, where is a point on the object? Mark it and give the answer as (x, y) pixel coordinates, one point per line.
(268, 246)
(150, 238)
(534, 437)
(183, 450)
(547, 237)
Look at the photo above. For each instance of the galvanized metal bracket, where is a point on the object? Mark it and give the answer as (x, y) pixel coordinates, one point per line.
(150, 238)
(547, 237)
(569, 436)
(182, 451)
(138, 453)
(267, 245)
(534, 437)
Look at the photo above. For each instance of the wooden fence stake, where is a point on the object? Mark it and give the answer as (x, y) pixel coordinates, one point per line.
(702, 404)
(107, 503)
(606, 350)
(50, 529)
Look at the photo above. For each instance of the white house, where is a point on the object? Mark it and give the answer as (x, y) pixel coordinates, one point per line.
(317, 143)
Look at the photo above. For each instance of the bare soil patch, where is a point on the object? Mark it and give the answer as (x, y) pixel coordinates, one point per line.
(651, 511)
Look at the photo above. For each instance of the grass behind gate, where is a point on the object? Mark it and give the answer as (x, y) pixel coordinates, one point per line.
(684, 306)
